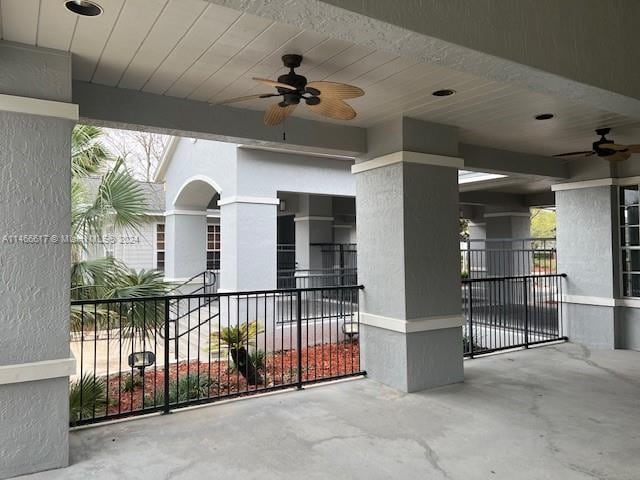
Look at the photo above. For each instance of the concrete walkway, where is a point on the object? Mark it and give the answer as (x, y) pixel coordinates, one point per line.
(555, 412)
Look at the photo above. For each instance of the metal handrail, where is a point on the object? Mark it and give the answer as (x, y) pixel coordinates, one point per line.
(214, 295)
(514, 277)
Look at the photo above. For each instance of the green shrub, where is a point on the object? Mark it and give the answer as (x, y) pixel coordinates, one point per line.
(189, 387)
(131, 382)
(87, 396)
(258, 359)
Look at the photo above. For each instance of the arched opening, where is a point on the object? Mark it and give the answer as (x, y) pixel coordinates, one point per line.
(197, 193)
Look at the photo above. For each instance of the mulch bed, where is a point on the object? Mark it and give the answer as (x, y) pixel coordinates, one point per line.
(221, 379)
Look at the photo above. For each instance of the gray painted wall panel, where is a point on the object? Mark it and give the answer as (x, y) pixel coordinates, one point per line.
(431, 243)
(585, 240)
(35, 179)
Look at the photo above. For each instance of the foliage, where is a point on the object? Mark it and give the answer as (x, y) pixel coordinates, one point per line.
(131, 382)
(543, 223)
(117, 201)
(464, 229)
(86, 396)
(258, 359)
(235, 337)
(188, 387)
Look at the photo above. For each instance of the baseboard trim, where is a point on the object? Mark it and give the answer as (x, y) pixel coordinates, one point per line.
(412, 325)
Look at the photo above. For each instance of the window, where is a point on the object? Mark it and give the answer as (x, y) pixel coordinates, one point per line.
(160, 246)
(213, 247)
(630, 239)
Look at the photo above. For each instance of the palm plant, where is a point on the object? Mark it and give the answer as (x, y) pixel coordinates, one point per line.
(238, 338)
(118, 202)
(87, 397)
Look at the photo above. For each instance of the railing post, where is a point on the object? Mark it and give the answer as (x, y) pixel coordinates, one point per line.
(166, 408)
(526, 312)
(470, 320)
(299, 335)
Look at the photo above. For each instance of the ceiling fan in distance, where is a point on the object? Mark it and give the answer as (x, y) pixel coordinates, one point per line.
(324, 98)
(606, 149)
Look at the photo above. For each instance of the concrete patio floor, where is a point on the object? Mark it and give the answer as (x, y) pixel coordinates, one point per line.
(554, 412)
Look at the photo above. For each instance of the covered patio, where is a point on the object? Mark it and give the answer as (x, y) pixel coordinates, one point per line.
(528, 414)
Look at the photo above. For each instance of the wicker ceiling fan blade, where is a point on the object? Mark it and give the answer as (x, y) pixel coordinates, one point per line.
(333, 108)
(634, 148)
(249, 97)
(273, 83)
(277, 112)
(618, 157)
(586, 153)
(335, 89)
(612, 146)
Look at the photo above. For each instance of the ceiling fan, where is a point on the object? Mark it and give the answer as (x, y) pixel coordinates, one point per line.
(324, 98)
(606, 149)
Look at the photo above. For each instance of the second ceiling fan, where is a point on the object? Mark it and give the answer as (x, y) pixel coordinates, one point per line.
(324, 98)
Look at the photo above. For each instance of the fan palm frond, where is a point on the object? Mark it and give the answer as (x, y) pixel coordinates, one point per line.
(88, 153)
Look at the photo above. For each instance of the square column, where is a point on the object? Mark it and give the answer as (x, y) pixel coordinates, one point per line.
(249, 233)
(587, 252)
(314, 224)
(409, 264)
(501, 227)
(36, 121)
(186, 244)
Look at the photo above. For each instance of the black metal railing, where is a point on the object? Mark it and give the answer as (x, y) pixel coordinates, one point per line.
(132, 359)
(510, 312)
(314, 278)
(508, 257)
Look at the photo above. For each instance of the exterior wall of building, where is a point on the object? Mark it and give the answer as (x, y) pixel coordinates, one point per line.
(137, 249)
(250, 183)
(35, 174)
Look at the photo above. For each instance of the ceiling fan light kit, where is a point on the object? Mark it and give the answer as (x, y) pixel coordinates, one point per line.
(606, 149)
(321, 97)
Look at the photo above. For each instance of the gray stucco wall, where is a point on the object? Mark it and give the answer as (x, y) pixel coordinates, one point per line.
(585, 240)
(35, 178)
(415, 361)
(431, 241)
(628, 328)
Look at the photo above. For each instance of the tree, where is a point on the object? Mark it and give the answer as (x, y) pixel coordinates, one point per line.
(114, 200)
(543, 223)
(141, 151)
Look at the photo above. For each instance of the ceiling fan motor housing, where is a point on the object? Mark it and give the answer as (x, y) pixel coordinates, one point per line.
(603, 152)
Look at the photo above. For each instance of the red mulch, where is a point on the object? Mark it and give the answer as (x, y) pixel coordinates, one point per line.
(321, 361)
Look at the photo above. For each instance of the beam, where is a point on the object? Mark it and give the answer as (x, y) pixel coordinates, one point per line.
(502, 40)
(133, 110)
(540, 199)
(485, 159)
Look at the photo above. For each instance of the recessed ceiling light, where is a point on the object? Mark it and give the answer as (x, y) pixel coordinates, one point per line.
(445, 92)
(544, 116)
(86, 8)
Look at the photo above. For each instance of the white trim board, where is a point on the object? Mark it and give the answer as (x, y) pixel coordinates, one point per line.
(405, 156)
(319, 219)
(43, 370)
(37, 106)
(200, 213)
(413, 325)
(246, 199)
(600, 182)
(602, 301)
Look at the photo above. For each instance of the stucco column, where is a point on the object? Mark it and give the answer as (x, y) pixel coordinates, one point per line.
(248, 229)
(587, 252)
(186, 244)
(501, 226)
(409, 258)
(314, 224)
(36, 120)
